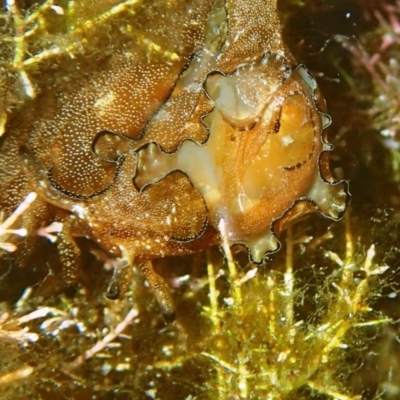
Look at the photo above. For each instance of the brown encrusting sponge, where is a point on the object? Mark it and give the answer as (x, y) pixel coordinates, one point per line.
(156, 156)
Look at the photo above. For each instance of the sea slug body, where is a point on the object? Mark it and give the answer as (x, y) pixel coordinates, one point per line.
(148, 157)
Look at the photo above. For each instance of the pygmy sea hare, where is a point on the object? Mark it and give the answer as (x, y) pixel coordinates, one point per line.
(156, 156)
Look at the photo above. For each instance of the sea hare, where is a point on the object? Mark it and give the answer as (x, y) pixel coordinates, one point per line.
(150, 156)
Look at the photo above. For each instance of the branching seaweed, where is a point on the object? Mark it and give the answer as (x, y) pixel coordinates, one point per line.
(276, 353)
(259, 336)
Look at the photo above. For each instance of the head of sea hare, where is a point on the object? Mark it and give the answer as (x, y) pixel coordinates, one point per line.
(261, 165)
